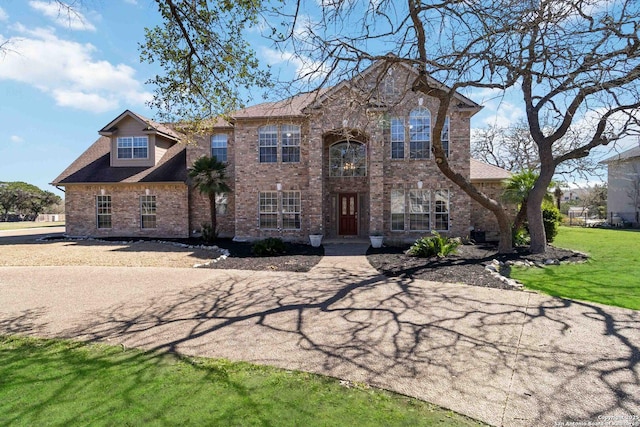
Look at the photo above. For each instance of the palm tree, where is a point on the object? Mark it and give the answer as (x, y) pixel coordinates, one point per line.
(208, 175)
(516, 190)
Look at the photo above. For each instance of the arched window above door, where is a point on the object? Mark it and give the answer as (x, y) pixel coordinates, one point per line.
(348, 158)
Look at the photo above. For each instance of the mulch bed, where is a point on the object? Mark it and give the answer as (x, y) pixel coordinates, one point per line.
(298, 257)
(467, 266)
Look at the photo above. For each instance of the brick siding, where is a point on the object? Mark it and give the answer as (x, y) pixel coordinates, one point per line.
(172, 204)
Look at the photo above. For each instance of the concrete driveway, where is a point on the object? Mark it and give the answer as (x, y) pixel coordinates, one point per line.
(505, 357)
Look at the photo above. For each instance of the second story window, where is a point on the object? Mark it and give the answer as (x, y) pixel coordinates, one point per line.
(290, 143)
(419, 133)
(287, 137)
(348, 159)
(397, 138)
(133, 147)
(445, 136)
(219, 147)
(268, 144)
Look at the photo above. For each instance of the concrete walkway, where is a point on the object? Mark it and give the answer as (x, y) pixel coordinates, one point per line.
(505, 357)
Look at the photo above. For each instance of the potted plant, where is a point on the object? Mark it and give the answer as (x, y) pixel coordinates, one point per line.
(315, 239)
(376, 239)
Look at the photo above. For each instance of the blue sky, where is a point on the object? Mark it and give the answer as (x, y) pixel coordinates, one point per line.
(64, 78)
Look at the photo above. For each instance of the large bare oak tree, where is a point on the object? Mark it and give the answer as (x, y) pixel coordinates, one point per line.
(575, 65)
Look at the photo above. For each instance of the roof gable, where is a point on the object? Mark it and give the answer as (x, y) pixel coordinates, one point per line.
(93, 166)
(379, 66)
(148, 126)
(300, 105)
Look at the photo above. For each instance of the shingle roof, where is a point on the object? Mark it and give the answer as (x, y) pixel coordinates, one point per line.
(625, 155)
(94, 166)
(481, 171)
(293, 106)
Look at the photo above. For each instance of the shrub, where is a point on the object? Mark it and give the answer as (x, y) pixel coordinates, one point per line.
(521, 237)
(271, 246)
(551, 218)
(435, 245)
(208, 235)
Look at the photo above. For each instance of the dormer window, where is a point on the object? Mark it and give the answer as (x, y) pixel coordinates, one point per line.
(133, 147)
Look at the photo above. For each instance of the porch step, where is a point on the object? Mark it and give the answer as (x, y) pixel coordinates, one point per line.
(345, 248)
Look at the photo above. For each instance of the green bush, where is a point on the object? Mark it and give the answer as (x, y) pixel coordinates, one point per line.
(521, 237)
(271, 246)
(208, 235)
(435, 245)
(552, 218)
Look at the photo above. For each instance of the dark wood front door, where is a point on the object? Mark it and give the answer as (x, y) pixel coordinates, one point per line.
(348, 215)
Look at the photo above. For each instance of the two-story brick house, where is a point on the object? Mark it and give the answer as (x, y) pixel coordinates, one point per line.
(352, 160)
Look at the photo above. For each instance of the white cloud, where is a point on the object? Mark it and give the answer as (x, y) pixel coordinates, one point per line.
(3, 15)
(17, 139)
(68, 71)
(134, 2)
(66, 17)
(84, 101)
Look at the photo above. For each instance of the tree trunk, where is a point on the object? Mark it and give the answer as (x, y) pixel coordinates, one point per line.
(538, 243)
(212, 208)
(520, 217)
(505, 245)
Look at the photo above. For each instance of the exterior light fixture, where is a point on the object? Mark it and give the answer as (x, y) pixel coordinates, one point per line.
(420, 101)
(420, 183)
(147, 191)
(102, 192)
(345, 122)
(278, 186)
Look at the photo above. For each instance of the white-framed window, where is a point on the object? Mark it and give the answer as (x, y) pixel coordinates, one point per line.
(148, 212)
(348, 158)
(268, 144)
(133, 147)
(445, 136)
(397, 210)
(219, 142)
(222, 202)
(441, 209)
(419, 210)
(268, 209)
(425, 213)
(290, 143)
(419, 133)
(103, 211)
(291, 210)
(397, 138)
(287, 136)
(280, 210)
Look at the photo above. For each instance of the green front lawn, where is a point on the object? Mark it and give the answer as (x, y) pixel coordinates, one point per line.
(28, 224)
(611, 276)
(51, 382)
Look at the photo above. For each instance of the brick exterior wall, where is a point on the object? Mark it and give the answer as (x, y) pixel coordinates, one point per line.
(171, 200)
(319, 191)
(252, 177)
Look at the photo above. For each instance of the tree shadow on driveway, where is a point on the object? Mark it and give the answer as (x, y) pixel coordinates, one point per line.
(508, 358)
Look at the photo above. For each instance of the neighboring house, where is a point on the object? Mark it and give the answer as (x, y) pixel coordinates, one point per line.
(349, 161)
(623, 187)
